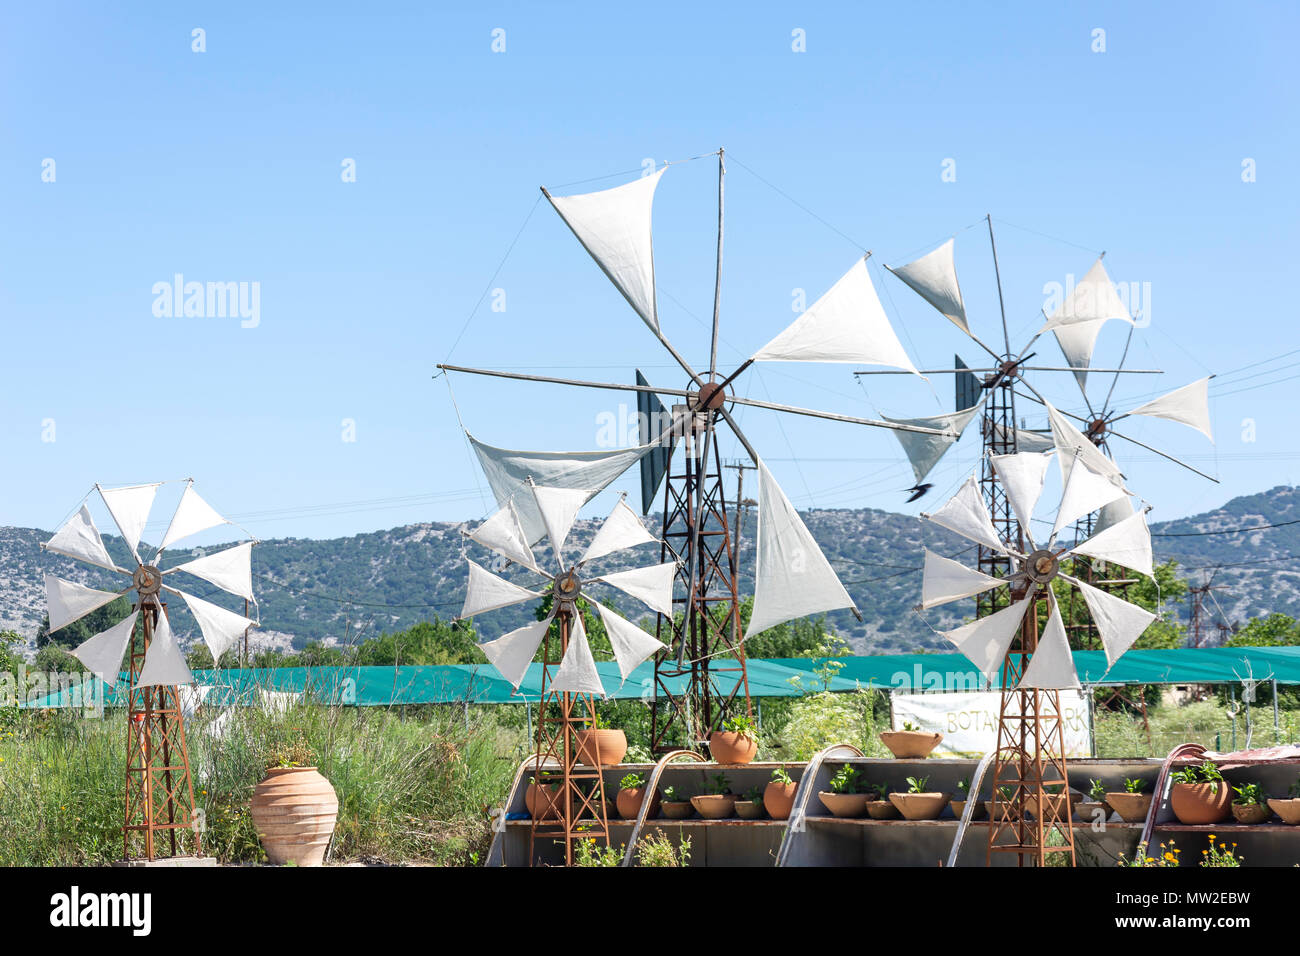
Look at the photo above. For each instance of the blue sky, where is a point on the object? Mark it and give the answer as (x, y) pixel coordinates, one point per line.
(226, 166)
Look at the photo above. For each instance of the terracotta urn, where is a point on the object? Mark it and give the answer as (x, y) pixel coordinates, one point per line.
(749, 809)
(541, 801)
(1085, 811)
(959, 807)
(629, 803)
(1201, 803)
(778, 799)
(1251, 812)
(843, 804)
(1288, 810)
(882, 810)
(611, 745)
(677, 809)
(1131, 807)
(714, 806)
(910, 744)
(731, 748)
(294, 810)
(919, 806)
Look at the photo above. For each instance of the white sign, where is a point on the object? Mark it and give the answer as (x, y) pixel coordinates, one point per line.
(969, 721)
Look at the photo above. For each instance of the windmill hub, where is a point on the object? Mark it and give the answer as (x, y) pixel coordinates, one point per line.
(1097, 428)
(147, 580)
(710, 397)
(1042, 566)
(568, 586)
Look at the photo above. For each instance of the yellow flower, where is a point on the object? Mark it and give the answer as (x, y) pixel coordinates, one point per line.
(1211, 837)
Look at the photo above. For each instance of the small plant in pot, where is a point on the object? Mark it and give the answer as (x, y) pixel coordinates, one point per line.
(958, 804)
(1005, 797)
(737, 742)
(1087, 810)
(843, 798)
(1132, 803)
(1248, 805)
(911, 742)
(1200, 795)
(631, 794)
(294, 808)
(918, 803)
(719, 802)
(675, 805)
(778, 795)
(600, 745)
(1289, 808)
(879, 806)
(1058, 802)
(750, 806)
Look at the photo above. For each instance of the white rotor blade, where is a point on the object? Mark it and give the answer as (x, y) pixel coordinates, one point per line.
(622, 529)
(68, 601)
(1051, 666)
(559, 508)
(221, 629)
(631, 644)
(230, 569)
(934, 278)
(1093, 299)
(1085, 492)
(1112, 514)
(1077, 342)
(129, 507)
(1120, 623)
(193, 515)
(1126, 543)
(652, 586)
(984, 642)
(511, 653)
(924, 451)
(1189, 405)
(487, 592)
(965, 514)
(1022, 477)
(945, 580)
(503, 534)
(1072, 443)
(79, 538)
(102, 654)
(164, 664)
(577, 672)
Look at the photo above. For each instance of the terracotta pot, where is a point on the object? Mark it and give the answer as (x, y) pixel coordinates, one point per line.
(1288, 810)
(905, 744)
(919, 806)
(843, 804)
(714, 806)
(541, 801)
(988, 809)
(612, 745)
(1200, 803)
(749, 809)
(1131, 807)
(778, 799)
(677, 809)
(294, 810)
(629, 803)
(1054, 806)
(1086, 810)
(882, 810)
(959, 807)
(1251, 812)
(731, 748)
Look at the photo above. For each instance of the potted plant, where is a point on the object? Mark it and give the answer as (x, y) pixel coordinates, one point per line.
(294, 808)
(911, 742)
(1086, 810)
(778, 795)
(1131, 803)
(540, 799)
(1005, 796)
(1200, 795)
(737, 742)
(917, 803)
(600, 745)
(843, 798)
(958, 805)
(879, 806)
(1248, 804)
(750, 806)
(631, 794)
(1288, 809)
(676, 805)
(718, 802)
(1058, 802)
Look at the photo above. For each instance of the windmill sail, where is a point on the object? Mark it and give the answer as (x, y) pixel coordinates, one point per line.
(130, 507)
(79, 538)
(68, 601)
(164, 663)
(577, 672)
(230, 569)
(1022, 476)
(944, 580)
(1189, 405)
(221, 629)
(102, 654)
(984, 642)
(934, 278)
(1077, 341)
(1052, 665)
(631, 644)
(652, 420)
(924, 451)
(512, 653)
(1093, 300)
(193, 515)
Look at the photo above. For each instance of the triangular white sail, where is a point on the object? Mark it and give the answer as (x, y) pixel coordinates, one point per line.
(945, 580)
(508, 473)
(613, 225)
(1085, 492)
(1051, 666)
(577, 672)
(631, 644)
(1022, 476)
(934, 278)
(230, 569)
(984, 642)
(622, 529)
(792, 578)
(503, 534)
(68, 601)
(924, 451)
(1126, 543)
(1189, 405)
(487, 592)
(164, 664)
(193, 515)
(1077, 342)
(1093, 299)
(1119, 622)
(1112, 514)
(965, 514)
(512, 653)
(652, 586)
(221, 629)
(79, 538)
(102, 654)
(847, 324)
(1072, 443)
(559, 508)
(1025, 439)
(129, 507)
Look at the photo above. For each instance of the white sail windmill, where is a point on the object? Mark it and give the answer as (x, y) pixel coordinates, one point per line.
(986, 641)
(229, 569)
(558, 508)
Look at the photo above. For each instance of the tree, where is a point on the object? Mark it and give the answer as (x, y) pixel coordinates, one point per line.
(1155, 596)
(1273, 631)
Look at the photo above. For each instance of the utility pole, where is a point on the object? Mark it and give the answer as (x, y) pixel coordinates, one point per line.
(743, 504)
(1197, 626)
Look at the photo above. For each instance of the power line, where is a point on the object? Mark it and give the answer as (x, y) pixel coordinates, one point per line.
(1200, 534)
